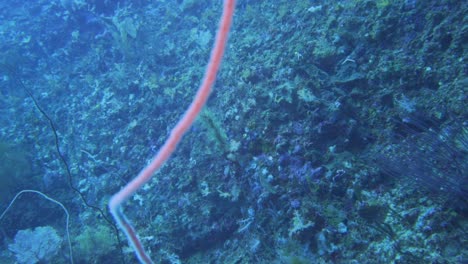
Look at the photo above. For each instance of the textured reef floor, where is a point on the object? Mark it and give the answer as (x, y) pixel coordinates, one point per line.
(336, 131)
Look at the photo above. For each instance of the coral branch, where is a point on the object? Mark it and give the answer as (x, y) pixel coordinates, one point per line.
(176, 134)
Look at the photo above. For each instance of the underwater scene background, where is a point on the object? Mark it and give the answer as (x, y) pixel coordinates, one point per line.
(336, 131)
